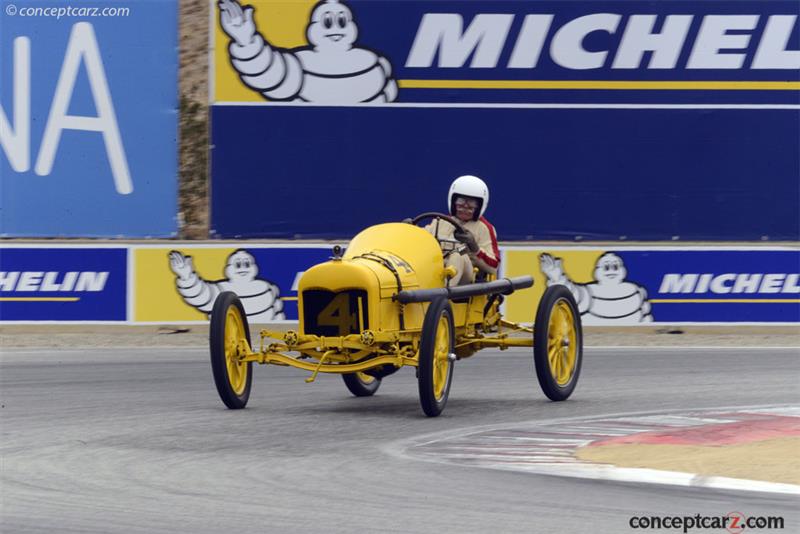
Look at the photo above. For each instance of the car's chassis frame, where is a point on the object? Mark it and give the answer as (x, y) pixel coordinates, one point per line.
(371, 350)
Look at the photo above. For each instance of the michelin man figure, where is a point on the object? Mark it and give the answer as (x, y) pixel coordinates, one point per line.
(609, 300)
(259, 297)
(330, 70)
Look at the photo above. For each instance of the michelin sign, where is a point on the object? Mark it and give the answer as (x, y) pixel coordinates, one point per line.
(631, 286)
(625, 286)
(67, 283)
(88, 122)
(338, 52)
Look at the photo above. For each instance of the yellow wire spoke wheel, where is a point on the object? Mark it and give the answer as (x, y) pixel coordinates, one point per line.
(229, 340)
(234, 333)
(361, 384)
(435, 367)
(557, 343)
(365, 378)
(441, 361)
(561, 343)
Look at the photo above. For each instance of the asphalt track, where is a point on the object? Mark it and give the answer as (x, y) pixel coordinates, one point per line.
(136, 440)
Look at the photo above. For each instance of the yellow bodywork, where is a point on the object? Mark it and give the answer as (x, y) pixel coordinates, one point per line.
(349, 321)
(378, 260)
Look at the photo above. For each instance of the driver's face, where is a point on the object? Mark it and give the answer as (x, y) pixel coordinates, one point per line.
(465, 208)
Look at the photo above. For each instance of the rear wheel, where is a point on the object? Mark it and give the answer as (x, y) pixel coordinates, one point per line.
(435, 366)
(361, 384)
(557, 343)
(229, 338)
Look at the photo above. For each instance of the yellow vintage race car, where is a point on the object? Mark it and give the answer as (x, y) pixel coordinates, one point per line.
(386, 303)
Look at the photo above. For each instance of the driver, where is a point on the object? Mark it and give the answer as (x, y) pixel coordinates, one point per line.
(467, 199)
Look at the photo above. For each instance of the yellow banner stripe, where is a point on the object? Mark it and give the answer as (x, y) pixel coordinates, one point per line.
(39, 299)
(598, 84)
(721, 301)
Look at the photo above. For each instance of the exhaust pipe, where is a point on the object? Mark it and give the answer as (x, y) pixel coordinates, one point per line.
(504, 286)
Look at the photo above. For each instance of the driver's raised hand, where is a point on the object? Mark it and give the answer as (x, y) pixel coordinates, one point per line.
(237, 22)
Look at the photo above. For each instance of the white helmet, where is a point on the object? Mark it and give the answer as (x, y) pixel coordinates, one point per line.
(469, 186)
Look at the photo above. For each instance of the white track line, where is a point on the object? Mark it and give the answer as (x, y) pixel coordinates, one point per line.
(587, 470)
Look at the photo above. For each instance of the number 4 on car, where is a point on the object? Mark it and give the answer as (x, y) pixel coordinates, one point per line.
(387, 303)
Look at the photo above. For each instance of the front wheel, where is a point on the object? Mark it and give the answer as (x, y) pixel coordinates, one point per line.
(361, 384)
(557, 343)
(435, 364)
(229, 338)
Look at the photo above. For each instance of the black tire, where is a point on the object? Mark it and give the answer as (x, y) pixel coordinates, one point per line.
(361, 384)
(233, 390)
(433, 403)
(558, 343)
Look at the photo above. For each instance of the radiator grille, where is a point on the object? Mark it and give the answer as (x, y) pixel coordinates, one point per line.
(328, 313)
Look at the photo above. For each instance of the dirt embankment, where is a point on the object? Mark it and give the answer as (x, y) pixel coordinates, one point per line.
(193, 76)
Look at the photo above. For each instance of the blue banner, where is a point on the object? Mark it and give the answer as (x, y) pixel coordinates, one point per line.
(88, 124)
(591, 174)
(63, 284)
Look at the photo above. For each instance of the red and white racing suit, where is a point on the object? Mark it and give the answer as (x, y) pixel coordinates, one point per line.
(486, 259)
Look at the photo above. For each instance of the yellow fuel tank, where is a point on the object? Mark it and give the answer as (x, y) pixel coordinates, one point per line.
(417, 248)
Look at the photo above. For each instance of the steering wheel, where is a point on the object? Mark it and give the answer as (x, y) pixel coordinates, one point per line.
(436, 215)
(448, 246)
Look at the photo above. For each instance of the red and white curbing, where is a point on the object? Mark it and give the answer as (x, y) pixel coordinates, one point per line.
(548, 447)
